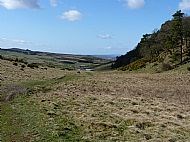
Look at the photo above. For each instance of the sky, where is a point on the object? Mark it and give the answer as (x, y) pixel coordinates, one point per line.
(82, 26)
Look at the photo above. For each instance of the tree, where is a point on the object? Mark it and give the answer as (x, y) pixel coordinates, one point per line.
(188, 42)
(177, 31)
(169, 44)
(145, 46)
(186, 33)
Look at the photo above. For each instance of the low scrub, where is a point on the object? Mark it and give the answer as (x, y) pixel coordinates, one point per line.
(8, 59)
(33, 65)
(1, 57)
(141, 63)
(188, 68)
(15, 64)
(166, 67)
(22, 61)
(23, 66)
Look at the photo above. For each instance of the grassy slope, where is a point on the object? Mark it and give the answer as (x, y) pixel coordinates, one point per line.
(158, 68)
(26, 118)
(103, 106)
(57, 60)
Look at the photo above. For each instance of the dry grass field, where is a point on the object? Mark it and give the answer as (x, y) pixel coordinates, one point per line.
(55, 105)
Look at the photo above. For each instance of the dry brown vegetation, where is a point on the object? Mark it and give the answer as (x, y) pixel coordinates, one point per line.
(134, 107)
(107, 106)
(10, 73)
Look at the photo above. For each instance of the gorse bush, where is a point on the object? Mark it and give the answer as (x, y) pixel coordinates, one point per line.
(137, 64)
(33, 65)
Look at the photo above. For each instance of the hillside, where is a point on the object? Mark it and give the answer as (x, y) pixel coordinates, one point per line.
(168, 46)
(46, 59)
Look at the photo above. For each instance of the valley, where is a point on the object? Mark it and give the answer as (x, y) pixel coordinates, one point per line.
(61, 105)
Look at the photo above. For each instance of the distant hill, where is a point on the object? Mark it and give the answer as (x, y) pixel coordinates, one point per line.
(64, 61)
(161, 46)
(110, 57)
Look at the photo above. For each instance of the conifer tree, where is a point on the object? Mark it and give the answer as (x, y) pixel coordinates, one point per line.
(177, 31)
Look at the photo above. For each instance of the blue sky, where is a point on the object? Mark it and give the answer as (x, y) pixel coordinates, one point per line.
(82, 26)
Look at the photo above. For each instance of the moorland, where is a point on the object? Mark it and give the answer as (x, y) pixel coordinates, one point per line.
(143, 95)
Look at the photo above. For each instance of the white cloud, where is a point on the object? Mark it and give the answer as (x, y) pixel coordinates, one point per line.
(184, 5)
(13, 42)
(71, 15)
(20, 43)
(53, 3)
(104, 36)
(108, 47)
(135, 4)
(3, 38)
(19, 4)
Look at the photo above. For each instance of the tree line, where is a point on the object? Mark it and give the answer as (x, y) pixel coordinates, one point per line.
(169, 44)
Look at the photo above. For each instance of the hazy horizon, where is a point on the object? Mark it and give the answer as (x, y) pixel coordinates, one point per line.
(109, 27)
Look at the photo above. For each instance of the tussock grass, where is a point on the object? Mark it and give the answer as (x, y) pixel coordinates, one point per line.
(98, 106)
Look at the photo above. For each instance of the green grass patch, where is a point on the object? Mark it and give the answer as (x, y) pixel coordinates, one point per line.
(25, 119)
(46, 85)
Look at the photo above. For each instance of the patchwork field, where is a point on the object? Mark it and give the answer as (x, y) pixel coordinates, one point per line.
(50, 104)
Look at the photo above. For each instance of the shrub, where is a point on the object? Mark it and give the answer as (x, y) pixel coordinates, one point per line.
(176, 56)
(155, 64)
(23, 61)
(15, 64)
(33, 65)
(51, 65)
(44, 68)
(188, 68)
(9, 59)
(186, 60)
(16, 60)
(141, 63)
(123, 68)
(23, 66)
(160, 59)
(166, 67)
(68, 68)
(1, 57)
